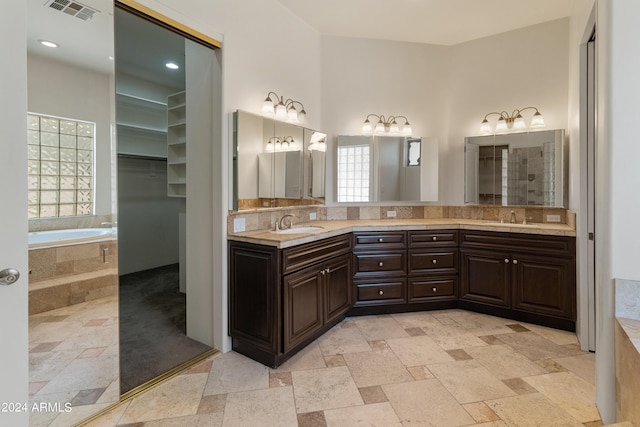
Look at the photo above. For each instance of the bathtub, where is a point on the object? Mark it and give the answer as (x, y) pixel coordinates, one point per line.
(55, 238)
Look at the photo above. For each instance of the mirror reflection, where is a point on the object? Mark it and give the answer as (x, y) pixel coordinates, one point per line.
(521, 169)
(73, 283)
(276, 163)
(386, 168)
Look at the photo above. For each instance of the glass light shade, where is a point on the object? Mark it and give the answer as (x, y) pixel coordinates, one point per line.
(318, 146)
(292, 114)
(485, 127)
(518, 123)
(501, 126)
(302, 116)
(394, 127)
(267, 106)
(406, 129)
(380, 127)
(269, 148)
(281, 111)
(366, 126)
(537, 120)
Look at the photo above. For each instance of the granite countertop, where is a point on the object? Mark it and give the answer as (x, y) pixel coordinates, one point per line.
(337, 227)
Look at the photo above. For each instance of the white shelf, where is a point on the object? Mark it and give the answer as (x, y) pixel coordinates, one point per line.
(177, 145)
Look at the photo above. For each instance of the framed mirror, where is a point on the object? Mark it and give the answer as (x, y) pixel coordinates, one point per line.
(386, 169)
(276, 163)
(519, 169)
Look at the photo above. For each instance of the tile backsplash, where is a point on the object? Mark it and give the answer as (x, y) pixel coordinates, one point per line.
(260, 219)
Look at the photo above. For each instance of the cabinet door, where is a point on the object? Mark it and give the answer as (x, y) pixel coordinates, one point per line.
(302, 305)
(485, 277)
(337, 289)
(544, 285)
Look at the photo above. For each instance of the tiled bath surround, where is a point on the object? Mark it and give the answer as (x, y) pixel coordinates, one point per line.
(67, 275)
(69, 223)
(627, 341)
(265, 218)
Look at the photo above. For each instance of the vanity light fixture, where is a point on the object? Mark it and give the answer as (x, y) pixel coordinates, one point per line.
(283, 109)
(281, 143)
(514, 120)
(318, 142)
(48, 43)
(386, 125)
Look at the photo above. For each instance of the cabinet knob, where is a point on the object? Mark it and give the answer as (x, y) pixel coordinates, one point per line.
(435, 238)
(323, 272)
(515, 261)
(380, 264)
(506, 260)
(380, 240)
(434, 261)
(327, 270)
(434, 289)
(380, 292)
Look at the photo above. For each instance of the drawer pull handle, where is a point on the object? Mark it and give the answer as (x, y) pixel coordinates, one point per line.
(515, 261)
(435, 238)
(435, 290)
(323, 272)
(380, 264)
(434, 261)
(380, 292)
(506, 260)
(381, 240)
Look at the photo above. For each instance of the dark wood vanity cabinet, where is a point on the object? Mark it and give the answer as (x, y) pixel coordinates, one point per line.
(405, 270)
(282, 299)
(522, 276)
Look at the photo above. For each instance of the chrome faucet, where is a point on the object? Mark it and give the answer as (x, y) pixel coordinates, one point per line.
(286, 224)
(513, 217)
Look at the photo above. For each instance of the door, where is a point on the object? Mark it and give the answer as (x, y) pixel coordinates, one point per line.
(544, 285)
(337, 295)
(485, 277)
(302, 305)
(13, 223)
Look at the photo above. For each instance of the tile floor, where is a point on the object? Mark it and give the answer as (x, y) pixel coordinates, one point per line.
(439, 368)
(73, 358)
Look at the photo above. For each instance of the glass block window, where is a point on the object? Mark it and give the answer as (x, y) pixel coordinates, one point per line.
(61, 163)
(353, 173)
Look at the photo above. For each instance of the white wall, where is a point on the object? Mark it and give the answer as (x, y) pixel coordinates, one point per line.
(445, 91)
(517, 69)
(361, 77)
(58, 89)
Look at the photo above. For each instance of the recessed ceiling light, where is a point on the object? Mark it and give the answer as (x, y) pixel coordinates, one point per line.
(47, 43)
(110, 58)
(172, 65)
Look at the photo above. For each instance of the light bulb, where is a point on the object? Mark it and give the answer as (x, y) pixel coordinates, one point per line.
(406, 129)
(281, 111)
(394, 127)
(537, 121)
(267, 106)
(379, 127)
(501, 125)
(518, 123)
(292, 113)
(485, 127)
(366, 126)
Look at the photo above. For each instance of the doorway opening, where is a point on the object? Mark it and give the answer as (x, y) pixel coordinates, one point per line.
(164, 82)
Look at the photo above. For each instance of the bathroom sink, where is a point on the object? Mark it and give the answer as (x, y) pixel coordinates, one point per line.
(512, 224)
(298, 230)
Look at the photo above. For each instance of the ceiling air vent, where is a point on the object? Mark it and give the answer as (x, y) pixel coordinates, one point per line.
(73, 8)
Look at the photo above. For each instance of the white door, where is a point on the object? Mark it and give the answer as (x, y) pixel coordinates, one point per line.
(14, 361)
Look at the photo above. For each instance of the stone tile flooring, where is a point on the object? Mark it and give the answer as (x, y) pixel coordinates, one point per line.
(440, 368)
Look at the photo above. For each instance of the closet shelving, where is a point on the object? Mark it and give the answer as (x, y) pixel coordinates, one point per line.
(177, 145)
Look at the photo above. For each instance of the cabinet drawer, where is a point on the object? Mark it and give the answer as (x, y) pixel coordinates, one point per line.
(514, 242)
(433, 239)
(433, 262)
(377, 263)
(379, 240)
(377, 293)
(298, 257)
(425, 289)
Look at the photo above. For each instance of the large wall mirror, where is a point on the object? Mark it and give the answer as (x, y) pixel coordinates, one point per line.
(386, 169)
(276, 163)
(519, 169)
